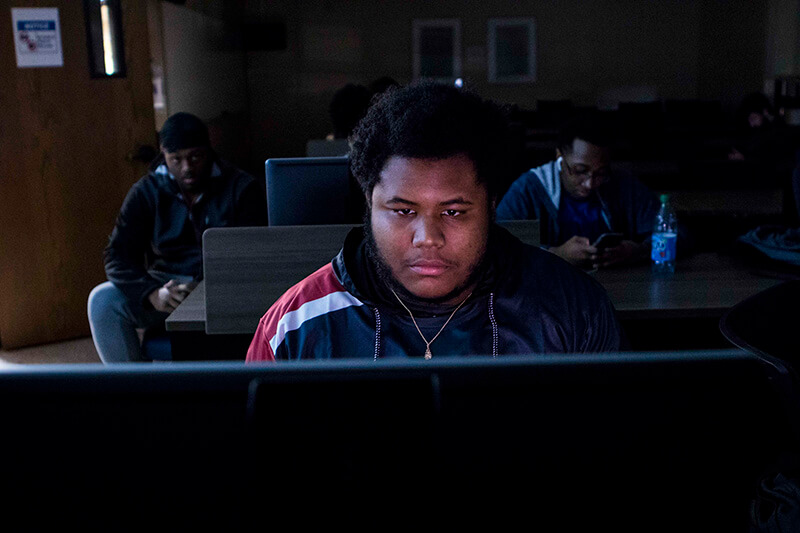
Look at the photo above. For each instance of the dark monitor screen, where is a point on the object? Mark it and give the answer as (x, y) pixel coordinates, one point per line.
(673, 437)
(680, 436)
(312, 190)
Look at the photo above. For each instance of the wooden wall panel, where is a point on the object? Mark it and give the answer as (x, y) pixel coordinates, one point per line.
(66, 142)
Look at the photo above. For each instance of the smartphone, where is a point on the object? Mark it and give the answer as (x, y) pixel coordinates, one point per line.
(188, 287)
(607, 240)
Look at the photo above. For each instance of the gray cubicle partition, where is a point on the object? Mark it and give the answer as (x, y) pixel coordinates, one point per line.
(247, 269)
(525, 230)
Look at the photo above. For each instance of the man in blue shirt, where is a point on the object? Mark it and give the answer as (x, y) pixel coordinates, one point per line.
(577, 198)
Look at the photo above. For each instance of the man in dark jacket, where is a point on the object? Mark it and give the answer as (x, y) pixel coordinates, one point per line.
(576, 198)
(430, 274)
(154, 258)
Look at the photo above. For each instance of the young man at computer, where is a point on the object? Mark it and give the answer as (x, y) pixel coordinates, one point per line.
(429, 274)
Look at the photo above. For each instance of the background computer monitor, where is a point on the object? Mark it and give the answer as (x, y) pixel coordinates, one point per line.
(312, 190)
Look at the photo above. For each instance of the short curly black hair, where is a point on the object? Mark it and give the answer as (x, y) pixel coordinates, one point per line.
(183, 130)
(428, 120)
(588, 127)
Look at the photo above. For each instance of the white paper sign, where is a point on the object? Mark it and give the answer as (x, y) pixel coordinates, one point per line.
(37, 37)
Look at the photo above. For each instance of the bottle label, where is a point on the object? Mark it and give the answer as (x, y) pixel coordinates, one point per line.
(664, 245)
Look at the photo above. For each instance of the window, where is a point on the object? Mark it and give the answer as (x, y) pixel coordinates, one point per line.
(104, 37)
(437, 49)
(512, 50)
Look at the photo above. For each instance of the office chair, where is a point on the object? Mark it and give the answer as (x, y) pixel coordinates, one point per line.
(767, 325)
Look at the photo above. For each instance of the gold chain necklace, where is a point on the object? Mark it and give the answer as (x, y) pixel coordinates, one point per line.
(428, 343)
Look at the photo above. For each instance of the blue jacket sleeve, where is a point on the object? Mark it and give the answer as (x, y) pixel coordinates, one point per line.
(517, 203)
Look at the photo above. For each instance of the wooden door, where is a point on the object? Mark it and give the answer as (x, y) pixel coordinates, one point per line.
(67, 145)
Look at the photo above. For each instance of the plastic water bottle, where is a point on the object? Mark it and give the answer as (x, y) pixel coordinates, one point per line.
(665, 238)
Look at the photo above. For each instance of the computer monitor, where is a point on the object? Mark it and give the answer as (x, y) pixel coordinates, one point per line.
(134, 447)
(640, 441)
(643, 441)
(312, 190)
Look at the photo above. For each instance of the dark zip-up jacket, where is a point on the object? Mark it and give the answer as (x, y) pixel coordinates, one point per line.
(157, 230)
(527, 301)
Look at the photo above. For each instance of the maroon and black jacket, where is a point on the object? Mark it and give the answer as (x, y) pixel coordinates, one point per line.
(527, 301)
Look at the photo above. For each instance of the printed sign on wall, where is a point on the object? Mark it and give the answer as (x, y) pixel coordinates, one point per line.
(37, 37)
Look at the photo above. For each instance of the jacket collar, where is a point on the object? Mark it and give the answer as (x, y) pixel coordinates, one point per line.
(550, 178)
(166, 180)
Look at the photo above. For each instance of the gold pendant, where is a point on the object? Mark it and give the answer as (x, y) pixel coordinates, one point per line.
(428, 353)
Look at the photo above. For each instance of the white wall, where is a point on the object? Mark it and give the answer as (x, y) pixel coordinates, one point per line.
(204, 74)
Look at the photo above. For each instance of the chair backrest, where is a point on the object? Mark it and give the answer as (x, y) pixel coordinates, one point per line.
(247, 269)
(311, 190)
(766, 323)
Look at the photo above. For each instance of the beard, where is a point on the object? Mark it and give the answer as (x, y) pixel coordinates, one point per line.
(385, 276)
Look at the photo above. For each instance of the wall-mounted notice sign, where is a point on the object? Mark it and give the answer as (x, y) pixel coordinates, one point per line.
(37, 37)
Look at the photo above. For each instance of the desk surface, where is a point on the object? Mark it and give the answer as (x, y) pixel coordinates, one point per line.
(704, 285)
(190, 315)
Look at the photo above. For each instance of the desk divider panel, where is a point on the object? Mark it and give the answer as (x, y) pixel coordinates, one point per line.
(247, 269)
(525, 230)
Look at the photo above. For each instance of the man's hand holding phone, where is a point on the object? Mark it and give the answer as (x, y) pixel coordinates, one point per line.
(609, 249)
(577, 250)
(607, 240)
(168, 297)
(612, 249)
